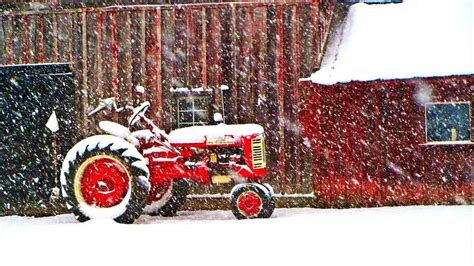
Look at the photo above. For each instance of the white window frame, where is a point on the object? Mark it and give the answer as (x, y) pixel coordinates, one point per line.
(193, 110)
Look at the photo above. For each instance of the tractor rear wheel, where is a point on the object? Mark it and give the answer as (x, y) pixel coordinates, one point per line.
(105, 177)
(250, 201)
(167, 198)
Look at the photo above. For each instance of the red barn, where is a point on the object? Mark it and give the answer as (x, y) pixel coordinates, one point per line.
(388, 115)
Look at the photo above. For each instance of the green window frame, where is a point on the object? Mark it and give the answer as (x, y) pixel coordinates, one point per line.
(448, 121)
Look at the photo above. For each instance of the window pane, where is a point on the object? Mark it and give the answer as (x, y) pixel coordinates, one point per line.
(448, 122)
(185, 117)
(193, 110)
(185, 103)
(201, 103)
(200, 116)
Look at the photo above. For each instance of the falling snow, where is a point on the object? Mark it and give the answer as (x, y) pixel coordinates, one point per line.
(216, 76)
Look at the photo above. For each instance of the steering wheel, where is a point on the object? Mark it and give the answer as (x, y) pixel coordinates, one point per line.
(138, 112)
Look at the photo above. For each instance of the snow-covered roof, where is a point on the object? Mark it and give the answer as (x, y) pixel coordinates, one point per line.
(416, 38)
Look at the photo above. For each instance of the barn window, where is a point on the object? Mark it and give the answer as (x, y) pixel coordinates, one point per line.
(193, 110)
(448, 122)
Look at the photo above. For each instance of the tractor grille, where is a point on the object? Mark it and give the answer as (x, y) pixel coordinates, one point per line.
(258, 153)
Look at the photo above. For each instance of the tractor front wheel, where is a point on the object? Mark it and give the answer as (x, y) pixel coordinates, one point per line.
(250, 201)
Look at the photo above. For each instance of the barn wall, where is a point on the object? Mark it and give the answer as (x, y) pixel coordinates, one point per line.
(254, 48)
(367, 143)
(55, 4)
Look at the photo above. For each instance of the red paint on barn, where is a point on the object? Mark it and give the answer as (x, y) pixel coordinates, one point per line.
(369, 146)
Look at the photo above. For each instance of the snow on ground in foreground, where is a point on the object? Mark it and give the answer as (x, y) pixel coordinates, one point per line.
(379, 236)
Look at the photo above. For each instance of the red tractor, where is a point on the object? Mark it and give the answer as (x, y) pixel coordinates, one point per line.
(123, 173)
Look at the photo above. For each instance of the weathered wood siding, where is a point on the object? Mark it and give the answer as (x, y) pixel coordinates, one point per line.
(367, 141)
(258, 49)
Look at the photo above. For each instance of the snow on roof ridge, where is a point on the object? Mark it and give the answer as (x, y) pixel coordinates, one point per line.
(417, 38)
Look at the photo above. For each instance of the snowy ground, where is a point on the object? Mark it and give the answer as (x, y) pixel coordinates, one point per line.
(378, 236)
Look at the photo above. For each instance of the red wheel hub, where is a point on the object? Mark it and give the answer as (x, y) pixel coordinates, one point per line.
(249, 203)
(104, 182)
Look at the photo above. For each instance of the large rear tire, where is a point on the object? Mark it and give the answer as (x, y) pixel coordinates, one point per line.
(168, 201)
(105, 177)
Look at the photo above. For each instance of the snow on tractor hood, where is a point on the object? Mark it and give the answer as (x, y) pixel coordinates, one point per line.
(201, 134)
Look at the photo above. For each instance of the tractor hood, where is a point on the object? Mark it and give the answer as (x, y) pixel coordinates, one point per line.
(214, 134)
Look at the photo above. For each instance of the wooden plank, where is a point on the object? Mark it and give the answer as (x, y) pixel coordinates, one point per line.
(249, 66)
(244, 106)
(124, 58)
(26, 39)
(260, 79)
(158, 51)
(271, 96)
(170, 49)
(106, 59)
(84, 81)
(179, 47)
(306, 41)
(225, 54)
(54, 40)
(189, 41)
(335, 152)
(75, 38)
(48, 37)
(349, 140)
(325, 22)
(39, 39)
(214, 58)
(234, 98)
(91, 97)
(98, 55)
(138, 36)
(281, 100)
(315, 139)
(17, 39)
(376, 141)
(324, 155)
(204, 48)
(64, 37)
(168, 67)
(114, 51)
(153, 65)
(316, 43)
(384, 156)
(296, 44)
(193, 47)
(114, 58)
(8, 27)
(288, 109)
(367, 184)
(3, 41)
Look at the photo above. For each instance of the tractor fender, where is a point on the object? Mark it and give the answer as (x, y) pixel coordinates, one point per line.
(264, 187)
(118, 130)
